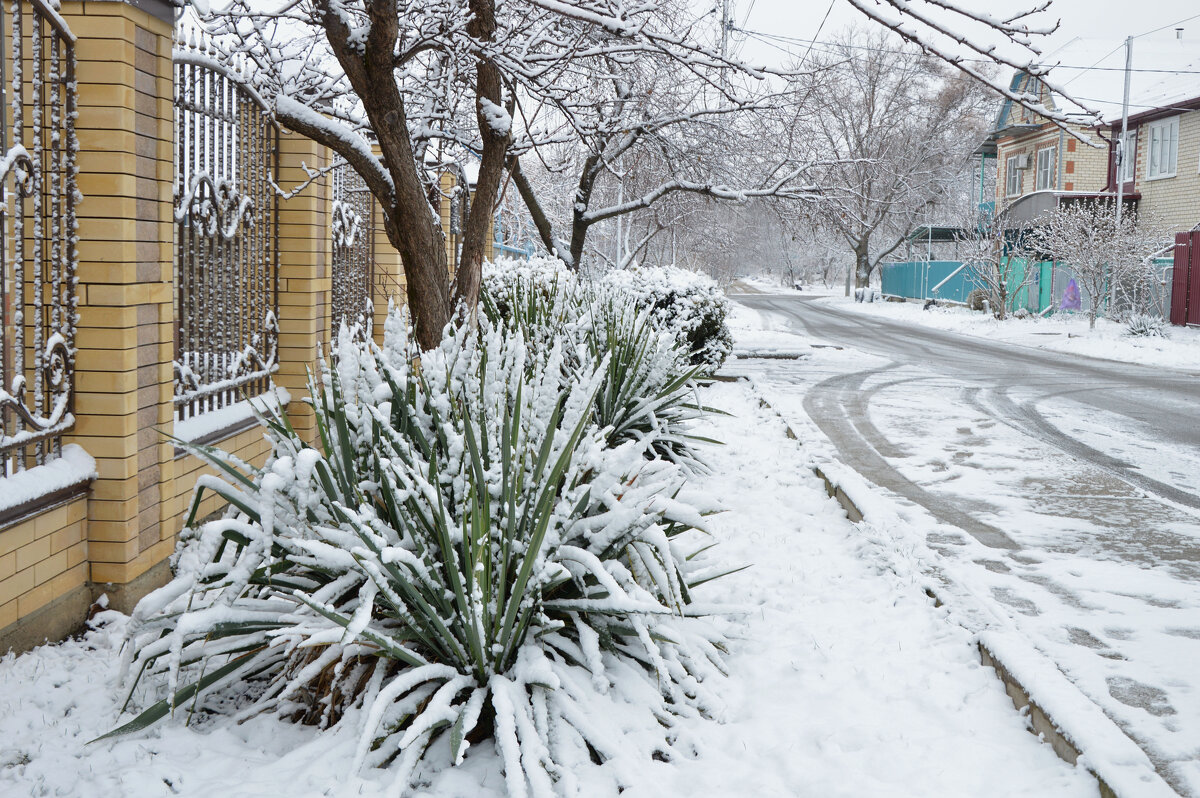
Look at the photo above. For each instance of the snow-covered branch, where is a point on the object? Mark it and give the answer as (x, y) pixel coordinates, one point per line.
(784, 187)
(927, 26)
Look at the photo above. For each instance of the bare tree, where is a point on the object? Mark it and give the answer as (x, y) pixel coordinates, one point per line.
(896, 129)
(1001, 263)
(437, 83)
(656, 131)
(1101, 252)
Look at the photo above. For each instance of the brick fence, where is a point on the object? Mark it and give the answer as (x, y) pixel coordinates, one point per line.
(112, 532)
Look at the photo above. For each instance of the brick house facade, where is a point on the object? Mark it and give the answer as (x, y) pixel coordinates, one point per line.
(1167, 183)
(1036, 155)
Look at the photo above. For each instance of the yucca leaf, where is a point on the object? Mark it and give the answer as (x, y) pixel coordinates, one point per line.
(161, 709)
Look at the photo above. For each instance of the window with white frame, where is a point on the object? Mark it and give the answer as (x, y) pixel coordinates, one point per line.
(1128, 167)
(1163, 141)
(1012, 174)
(1045, 168)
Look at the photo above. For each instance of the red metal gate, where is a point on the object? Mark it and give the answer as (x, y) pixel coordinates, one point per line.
(1185, 283)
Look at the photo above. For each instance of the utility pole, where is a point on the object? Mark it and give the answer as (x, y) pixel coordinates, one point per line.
(725, 28)
(724, 43)
(1121, 156)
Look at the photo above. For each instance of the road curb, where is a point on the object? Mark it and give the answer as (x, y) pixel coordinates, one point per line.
(1040, 722)
(1130, 779)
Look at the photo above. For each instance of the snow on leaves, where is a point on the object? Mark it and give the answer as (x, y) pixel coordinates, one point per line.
(468, 542)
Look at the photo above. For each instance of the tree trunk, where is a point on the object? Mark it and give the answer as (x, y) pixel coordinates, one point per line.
(491, 166)
(410, 227)
(862, 264)
(425, 275)
(583, 198)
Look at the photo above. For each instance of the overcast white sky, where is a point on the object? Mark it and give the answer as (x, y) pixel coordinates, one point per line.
(1108, 19)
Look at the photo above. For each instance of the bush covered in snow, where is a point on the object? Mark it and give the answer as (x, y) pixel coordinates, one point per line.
(1145, 325)
(688, 303)
(513, 287)
(468, 555)
(647, 391)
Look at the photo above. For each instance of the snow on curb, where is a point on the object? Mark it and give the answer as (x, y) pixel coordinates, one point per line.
(1076, 728)
(1091, 738)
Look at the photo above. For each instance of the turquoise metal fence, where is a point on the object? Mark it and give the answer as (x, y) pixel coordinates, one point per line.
(1050, 290)
(524, 250)
(945, 280)
(951, 281)
(525, 253)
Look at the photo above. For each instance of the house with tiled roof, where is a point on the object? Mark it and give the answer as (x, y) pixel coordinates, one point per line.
(1040, 163)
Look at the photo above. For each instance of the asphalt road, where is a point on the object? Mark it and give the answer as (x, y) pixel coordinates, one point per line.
(1068, 488)
(1163, 404)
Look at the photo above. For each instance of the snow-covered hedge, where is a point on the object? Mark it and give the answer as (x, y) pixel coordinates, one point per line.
(648, 391)
(469, 554)
(689, 303)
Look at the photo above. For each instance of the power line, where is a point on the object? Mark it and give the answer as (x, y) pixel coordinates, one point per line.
(1170, 25)
(820, 28)
(764, 39)
(1138, 105)
(762, 36)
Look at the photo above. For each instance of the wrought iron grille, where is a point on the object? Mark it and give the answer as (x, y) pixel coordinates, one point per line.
(352, 230)
(37, 214)
(226, 239)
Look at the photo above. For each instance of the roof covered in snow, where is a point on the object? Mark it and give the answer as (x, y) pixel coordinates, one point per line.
(1165, 70)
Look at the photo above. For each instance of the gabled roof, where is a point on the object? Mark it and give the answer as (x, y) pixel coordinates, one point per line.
(1166, 71)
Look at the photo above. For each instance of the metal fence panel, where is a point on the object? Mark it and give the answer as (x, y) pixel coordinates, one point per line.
(940, 279)
(1185, 282)
(353, 238)
(37, 213)
(226, 254)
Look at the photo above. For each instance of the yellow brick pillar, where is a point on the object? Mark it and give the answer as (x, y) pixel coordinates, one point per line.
(447, 184)
(304, 282)
(489, 248)
(124, 379)
(388, 280)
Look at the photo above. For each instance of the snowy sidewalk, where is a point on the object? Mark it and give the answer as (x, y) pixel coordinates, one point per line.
(845, 681)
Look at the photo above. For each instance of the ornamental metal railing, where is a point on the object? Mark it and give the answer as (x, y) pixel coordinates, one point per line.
(352, 232)
(37, 214)
(226, 240)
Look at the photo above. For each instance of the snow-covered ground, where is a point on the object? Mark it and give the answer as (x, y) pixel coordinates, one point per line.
(1096, 575)
(755, 334)
(1060, 332)
(771, 285)
(845, 681)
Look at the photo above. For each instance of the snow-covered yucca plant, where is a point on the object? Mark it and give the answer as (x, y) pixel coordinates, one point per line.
(648, 391)
(1145, 325)
(467, 556)
(690, 304)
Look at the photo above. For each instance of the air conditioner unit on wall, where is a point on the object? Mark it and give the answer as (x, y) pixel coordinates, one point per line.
(1023, 160)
